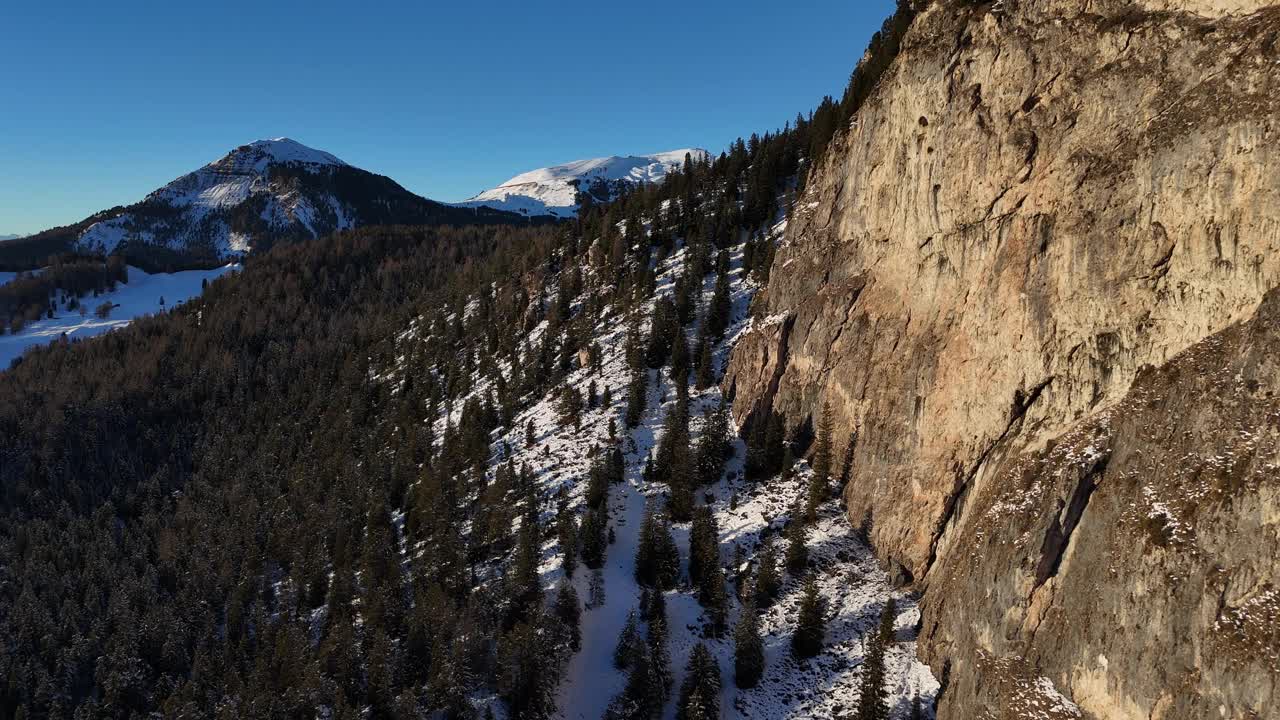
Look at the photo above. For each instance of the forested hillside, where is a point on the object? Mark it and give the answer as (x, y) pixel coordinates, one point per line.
(353, 480)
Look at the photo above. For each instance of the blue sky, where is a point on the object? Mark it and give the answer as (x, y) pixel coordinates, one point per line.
(101, 103)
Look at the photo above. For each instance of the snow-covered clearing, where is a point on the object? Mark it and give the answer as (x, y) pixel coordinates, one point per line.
(144, 294)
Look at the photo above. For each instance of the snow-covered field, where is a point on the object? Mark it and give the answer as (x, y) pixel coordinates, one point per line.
(142, 295)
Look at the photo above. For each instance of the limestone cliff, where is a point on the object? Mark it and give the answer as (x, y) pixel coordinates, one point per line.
(1031, 274)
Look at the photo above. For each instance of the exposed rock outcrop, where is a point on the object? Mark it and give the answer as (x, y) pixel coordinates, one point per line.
(1043, 202)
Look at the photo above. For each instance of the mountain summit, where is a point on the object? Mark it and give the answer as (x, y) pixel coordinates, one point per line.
(279, 185)
(258, 194)
(281, 150)
(558, 190)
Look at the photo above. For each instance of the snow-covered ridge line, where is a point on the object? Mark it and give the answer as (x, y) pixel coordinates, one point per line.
(554, 190)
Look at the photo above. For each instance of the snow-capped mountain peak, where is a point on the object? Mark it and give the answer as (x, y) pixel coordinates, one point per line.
(207, 201)
(281, 150)
(233, 178)
(257, 194)
(556, 190)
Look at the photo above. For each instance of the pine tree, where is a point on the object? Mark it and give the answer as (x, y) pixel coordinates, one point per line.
(682, 482)
(748, 649)
(598, 478)
(700, 691)
(705, 374)
(871, 686)
(568, 536)
(449, 682)
(662, 333)
(526, 583)
(657, 562)
(679, 363)
(683, 294)
(597, 358)
(887, 617)
(628, 641)
(797, 557)
(675, 462)
(659, 656)
(714, 445)
(810, 624)
(822, 456)
(916, 712)
(775, 445)
(571, 407)
(715, 598)
(872, 695)
(595, 589)
(524, 677)
(846, 469)
(719, 310)
(634, 348)
(646, 691)
(616, 465)
(568, 610)
(814, 496)
(636, 391)
(704, 544)
(768, 580)
(593, 540)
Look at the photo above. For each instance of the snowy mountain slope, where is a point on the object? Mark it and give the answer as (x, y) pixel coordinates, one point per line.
(850, 582)
(257, 194)
(555, 190)
(144, 294)
(9, 237)
(204, 199)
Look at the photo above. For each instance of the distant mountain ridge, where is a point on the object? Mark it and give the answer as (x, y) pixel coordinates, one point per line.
(556, 191)
(258, 194)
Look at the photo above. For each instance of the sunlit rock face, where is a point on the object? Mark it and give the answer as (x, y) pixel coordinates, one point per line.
(1031, 275)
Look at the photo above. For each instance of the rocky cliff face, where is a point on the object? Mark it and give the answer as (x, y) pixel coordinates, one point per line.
(1031, 275)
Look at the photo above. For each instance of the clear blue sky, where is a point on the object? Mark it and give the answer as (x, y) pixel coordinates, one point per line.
(102, 102)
